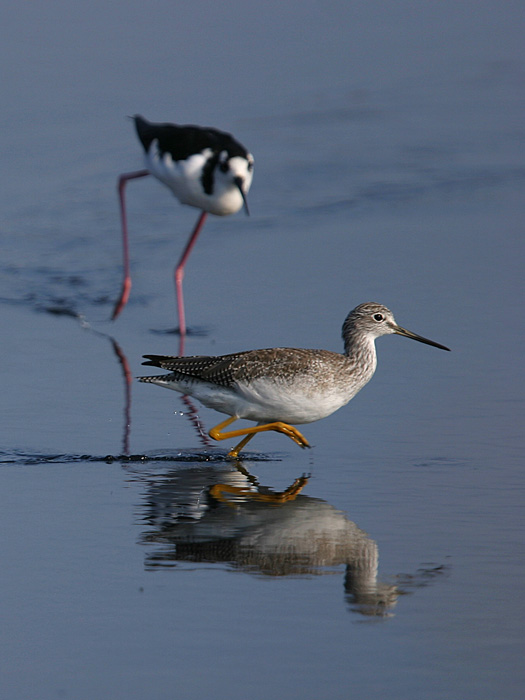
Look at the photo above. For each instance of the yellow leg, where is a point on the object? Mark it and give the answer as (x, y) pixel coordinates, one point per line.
(234, 452)
(278, 426)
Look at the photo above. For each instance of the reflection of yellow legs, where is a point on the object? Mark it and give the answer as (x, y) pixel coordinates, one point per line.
(279, 427)
(218, 492)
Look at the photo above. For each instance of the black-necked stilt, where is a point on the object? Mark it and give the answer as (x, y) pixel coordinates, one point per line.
(204, 168)
(280, 386)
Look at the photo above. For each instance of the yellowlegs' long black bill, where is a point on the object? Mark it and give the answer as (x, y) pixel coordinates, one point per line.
(408, 334)
(279, 387)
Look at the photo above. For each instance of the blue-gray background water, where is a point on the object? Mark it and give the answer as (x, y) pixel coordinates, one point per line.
(390, 167)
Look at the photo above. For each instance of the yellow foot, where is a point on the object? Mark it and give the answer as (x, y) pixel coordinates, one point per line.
(292, 433)
(278, 426)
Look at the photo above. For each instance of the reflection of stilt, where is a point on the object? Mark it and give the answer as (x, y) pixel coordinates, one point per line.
(123, 361)
(192, 413)
(195, 420)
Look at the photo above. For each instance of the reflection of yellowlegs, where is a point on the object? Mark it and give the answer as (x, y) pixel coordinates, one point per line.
(203, 167)
(279, 386)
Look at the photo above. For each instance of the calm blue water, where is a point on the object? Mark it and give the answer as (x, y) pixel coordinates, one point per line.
(390, 167)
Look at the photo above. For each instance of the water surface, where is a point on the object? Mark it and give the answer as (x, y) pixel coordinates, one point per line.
(138, 561)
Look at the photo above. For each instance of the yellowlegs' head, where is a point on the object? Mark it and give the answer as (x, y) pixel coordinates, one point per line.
(370, 320)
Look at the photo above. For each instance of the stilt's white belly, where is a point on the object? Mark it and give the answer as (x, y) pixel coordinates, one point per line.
(183, 178)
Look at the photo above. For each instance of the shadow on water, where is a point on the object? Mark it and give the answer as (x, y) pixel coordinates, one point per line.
(47, 289)
(51, 290)
(223, 515)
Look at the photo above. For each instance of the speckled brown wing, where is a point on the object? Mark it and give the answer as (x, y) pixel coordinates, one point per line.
(218, 370)
(226, 370)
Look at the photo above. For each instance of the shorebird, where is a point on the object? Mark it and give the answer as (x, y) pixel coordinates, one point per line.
(280, 386)
(204, 168)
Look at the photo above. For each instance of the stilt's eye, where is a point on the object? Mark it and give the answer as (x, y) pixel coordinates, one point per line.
(224, 167)
(250, 166)
(379, 317)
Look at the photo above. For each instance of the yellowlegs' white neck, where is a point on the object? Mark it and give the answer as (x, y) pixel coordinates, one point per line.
(281, 386)
(362, 326)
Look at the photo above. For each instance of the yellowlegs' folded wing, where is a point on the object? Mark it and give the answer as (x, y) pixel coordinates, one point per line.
(216, 370)
(226, 370)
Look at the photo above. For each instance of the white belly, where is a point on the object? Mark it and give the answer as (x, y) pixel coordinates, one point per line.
(184, 179)
(265, 401)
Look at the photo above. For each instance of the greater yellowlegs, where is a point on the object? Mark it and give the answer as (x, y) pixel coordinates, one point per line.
(204, 168)
(280, 386)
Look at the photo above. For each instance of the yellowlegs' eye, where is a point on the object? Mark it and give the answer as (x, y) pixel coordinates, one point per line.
(379, 317)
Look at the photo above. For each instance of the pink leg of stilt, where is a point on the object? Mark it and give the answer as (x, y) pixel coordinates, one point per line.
(182, 345)
(179, 276)
(126, 284)
(179, 272)
(128, 378)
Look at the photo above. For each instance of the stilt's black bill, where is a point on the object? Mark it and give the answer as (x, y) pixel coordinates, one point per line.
(239, 182)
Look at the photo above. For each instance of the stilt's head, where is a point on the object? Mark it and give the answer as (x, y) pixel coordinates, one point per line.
(237, 171)
(369, 321)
